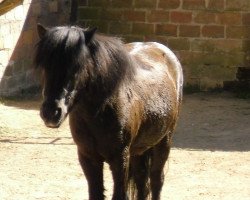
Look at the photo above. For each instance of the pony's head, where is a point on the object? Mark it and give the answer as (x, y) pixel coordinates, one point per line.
(61, 54)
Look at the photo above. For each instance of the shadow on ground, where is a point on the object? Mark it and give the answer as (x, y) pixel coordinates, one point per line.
(216, 122)
(25, 103)
(38, 140)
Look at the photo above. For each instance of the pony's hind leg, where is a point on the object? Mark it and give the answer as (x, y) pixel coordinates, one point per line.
(93, 170)
(160, 155)
(140, 174)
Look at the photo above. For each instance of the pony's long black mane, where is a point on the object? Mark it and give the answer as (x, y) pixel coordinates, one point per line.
(111, 61)
(104, 59)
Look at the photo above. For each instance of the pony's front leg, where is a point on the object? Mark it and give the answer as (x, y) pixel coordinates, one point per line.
(93, 170)
(119, 167)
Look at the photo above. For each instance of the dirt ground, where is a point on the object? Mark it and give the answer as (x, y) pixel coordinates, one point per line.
(210, 158)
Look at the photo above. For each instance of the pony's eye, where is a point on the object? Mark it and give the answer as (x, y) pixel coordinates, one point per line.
(64, 91)
(67, 99)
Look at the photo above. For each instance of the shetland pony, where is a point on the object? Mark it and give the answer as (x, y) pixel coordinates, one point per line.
(122, 100)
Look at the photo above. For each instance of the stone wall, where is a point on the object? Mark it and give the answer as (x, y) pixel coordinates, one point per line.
(211, 37)
(18, 37)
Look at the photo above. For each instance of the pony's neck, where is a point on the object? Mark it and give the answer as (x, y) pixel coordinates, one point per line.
(111, 66)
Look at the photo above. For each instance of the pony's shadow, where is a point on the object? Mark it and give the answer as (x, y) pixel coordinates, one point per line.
(213, 123)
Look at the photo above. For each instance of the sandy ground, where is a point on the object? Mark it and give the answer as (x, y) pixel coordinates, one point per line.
(210, 158)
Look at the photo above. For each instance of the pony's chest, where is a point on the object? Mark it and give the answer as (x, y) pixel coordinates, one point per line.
(96, 135)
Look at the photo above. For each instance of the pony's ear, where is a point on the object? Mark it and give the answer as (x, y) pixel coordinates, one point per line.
(41, 30)
(89, 34)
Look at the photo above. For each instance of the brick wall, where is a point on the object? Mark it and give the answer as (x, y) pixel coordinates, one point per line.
(18, 37)
(211, 37)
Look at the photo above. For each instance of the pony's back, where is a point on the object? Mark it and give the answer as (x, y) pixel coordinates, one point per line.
(151, 55)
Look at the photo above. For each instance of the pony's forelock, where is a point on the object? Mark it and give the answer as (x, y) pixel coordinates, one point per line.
(60, 46)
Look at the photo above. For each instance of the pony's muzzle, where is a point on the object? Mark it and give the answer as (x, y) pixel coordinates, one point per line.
(51, 114)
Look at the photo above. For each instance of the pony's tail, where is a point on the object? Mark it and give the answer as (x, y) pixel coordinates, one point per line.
(144, 167)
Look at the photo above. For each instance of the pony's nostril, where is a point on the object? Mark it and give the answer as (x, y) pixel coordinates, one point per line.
(58, 113)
